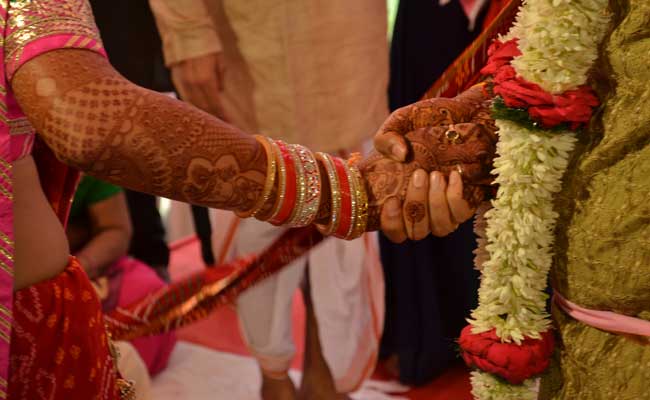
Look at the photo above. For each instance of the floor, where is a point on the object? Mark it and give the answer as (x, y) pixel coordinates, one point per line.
(221, 332)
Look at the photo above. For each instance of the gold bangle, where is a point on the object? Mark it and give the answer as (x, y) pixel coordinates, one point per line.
(271, 166)
(361, 221)
(335, 195)
(301, 189)
(282, 182)
(353, 199)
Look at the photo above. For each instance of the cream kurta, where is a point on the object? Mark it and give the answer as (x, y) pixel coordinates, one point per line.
(307, 71)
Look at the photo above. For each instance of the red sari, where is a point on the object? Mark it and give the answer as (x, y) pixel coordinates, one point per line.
(59, 345)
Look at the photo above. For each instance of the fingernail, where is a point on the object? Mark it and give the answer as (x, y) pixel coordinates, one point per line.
(435, 180)
(398, 151)
(453, 178)
(419, 177)
(393, 207)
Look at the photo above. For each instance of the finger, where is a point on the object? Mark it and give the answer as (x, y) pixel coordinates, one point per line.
(220, 70)
(188, 92)
(392, 223)
(460, 209)
(221, 113)
(391, 145)
(211, 93)
(389, 138)
(179, 85)
(197, 97)
(439, 215)
(415, 210)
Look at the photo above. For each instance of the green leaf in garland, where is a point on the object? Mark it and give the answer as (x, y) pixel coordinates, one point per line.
(519, 115)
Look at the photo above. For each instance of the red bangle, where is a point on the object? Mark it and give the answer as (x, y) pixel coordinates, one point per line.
(345, 218)
(286, 203)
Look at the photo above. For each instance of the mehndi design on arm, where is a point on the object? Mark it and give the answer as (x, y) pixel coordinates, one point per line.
(97, 121)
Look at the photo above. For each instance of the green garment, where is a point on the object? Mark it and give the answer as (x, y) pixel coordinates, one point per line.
(602, 254)
(89, 192)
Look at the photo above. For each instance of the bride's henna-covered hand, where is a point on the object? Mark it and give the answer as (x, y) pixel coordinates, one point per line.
(443, 135)
(470, 106)
(465, 148)
(95, 120)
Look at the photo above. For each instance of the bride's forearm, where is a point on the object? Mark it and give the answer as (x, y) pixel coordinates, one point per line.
(95, 120)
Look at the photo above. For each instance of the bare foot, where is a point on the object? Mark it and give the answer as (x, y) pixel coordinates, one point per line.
(278, 389)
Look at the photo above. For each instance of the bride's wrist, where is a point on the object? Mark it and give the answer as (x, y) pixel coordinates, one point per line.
(293, 193)
(303, 188)
(348, 201)
(324, 208)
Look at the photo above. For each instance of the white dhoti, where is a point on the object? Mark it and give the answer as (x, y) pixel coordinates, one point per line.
(347, 292)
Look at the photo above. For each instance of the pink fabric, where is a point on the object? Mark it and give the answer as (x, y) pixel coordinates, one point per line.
(138, 281)
(27, 30)
(54, 42)
(19, 45)
(604, 320)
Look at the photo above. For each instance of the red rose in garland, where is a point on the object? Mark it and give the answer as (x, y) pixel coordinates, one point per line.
(573, 107)
(500, 54)
(513, 362)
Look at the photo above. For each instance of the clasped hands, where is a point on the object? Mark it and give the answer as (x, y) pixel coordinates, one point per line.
(432, 166)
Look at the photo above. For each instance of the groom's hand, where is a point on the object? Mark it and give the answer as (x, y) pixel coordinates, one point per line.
(431, 205)
(469, 106)
(199, 81)
(452, 139)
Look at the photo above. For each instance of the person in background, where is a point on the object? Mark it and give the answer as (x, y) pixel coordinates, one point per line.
(313, 72)
(431, 285)
(99, 230)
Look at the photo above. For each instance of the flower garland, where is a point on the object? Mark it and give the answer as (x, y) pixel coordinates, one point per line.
(540, 70)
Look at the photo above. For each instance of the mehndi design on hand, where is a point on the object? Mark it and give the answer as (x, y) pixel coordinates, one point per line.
(442, 135)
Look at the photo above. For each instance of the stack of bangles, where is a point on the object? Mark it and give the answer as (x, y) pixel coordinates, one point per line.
(296, 171)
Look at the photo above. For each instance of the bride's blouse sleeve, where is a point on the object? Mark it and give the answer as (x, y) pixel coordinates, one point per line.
(35, 27)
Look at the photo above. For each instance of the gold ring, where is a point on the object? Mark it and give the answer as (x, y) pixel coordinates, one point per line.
(452, 135)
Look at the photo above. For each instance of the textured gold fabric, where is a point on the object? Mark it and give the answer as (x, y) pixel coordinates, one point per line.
(31, 20)
(603, 241)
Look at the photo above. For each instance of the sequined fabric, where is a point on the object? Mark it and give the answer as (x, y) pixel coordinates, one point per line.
(602, 252)
(33, 24)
